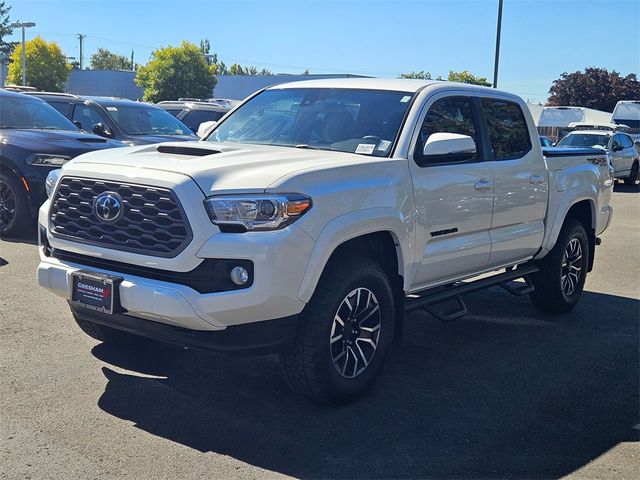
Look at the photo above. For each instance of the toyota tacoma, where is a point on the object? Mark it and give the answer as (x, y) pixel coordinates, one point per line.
(314, 215)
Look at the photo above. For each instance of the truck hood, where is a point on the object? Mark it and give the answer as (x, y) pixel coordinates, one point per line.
(220, 167)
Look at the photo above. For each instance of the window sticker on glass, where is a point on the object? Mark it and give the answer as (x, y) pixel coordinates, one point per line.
(366, 148)
(112, 109)
(383, 146)
(405, 99)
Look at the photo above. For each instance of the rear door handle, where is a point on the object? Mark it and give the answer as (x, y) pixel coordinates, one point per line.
(483, 185)
(536, 179)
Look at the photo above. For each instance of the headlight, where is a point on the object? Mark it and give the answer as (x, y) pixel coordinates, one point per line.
(51, 182)
(239, 213)
(47, 160)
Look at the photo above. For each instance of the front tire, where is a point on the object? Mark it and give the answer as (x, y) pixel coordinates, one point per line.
(14, 206)
(345, 333)
(559, 283)
(634, 175)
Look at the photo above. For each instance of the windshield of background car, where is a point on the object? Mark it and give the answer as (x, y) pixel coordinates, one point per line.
(584, 140)
(29, 113)
(140, 120)
(345, 120)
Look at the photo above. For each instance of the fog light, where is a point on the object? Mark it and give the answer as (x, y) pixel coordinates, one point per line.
(239, 275)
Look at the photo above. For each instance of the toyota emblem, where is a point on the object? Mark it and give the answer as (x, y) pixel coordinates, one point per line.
(108, 207)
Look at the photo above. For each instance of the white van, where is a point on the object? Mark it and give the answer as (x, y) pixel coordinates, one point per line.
(627, 112)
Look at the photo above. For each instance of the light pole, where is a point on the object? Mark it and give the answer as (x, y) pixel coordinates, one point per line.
(495, 67)
(23, 25)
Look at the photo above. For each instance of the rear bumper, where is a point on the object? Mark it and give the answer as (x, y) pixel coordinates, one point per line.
(257, 338)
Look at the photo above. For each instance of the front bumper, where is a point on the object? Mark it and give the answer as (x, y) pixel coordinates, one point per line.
(257, 338)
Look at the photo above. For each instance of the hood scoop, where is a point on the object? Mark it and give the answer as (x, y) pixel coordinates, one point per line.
(189, 151)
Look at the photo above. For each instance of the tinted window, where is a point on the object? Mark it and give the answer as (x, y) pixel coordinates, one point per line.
(508, 130)
(30, 113)
(194, 118)
(173, 111)
(584, 140)
(88, 117)
(64, 108)
(626, 141)
(143, 120)
(448, 115)
(616, 142)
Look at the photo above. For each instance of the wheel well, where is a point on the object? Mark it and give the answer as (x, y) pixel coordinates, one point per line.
(582, 211)
(383, 248)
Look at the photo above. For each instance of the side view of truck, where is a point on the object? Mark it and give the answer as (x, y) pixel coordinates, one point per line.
(314, 215)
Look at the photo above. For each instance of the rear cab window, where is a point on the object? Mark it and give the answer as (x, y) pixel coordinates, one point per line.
(507, 128)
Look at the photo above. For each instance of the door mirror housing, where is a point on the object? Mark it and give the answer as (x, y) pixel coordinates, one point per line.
(100, 129)
(617, 148)
(205, 128)
(448, 148)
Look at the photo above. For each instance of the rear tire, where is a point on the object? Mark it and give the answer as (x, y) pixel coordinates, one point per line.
(560, 281)
(344, 335)
(14, 206)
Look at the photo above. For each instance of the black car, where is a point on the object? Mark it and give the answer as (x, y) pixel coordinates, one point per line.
(194, 112)
(35, 139)
(134, 123)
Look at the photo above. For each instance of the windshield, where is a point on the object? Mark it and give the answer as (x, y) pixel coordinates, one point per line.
(339, 119)
(28, 113)
(142, 120)
(584, 140)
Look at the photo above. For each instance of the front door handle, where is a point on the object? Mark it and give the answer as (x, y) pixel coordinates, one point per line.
(483, 185)
(536, 179)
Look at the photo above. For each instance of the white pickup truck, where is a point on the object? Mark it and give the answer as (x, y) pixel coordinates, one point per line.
(314, 215)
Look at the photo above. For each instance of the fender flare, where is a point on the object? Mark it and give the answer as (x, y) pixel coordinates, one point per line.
(347, 227)
(569, 199)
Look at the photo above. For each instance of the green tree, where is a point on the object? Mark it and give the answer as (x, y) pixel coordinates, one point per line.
(236, 69)
(47, 67)
(5, 30)
(466, 77)
(594, 88)
(175, 72)
(421, 75)
(103, 59)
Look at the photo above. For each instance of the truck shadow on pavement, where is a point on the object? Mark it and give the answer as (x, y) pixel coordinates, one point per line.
(505, 392)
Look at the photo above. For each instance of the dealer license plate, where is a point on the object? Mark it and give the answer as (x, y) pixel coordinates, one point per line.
(95, 291)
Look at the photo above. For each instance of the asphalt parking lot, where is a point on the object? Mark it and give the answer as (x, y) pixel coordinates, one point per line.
(504, 392)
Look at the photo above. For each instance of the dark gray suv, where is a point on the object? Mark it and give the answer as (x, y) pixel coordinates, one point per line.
(134, 123)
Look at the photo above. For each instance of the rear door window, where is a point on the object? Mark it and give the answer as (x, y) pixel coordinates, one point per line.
(508, 131)
(626, 141)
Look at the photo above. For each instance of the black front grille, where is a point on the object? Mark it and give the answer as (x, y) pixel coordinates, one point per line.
(153, 222)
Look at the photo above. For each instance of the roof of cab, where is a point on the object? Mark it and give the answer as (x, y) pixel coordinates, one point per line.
(391, 84)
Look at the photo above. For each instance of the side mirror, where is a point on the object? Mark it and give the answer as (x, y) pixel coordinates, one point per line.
(448, 148)
(78, 124)
(99, 129)
(205, 128)
(617, 148)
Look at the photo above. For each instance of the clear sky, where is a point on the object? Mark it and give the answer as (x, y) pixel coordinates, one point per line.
(540, 38)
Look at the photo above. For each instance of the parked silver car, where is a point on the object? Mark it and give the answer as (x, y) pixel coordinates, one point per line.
(625, 155)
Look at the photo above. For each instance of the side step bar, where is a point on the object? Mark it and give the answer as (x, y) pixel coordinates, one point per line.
(429, 299)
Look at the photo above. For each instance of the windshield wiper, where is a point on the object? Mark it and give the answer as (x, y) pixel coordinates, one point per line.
(308, 147)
